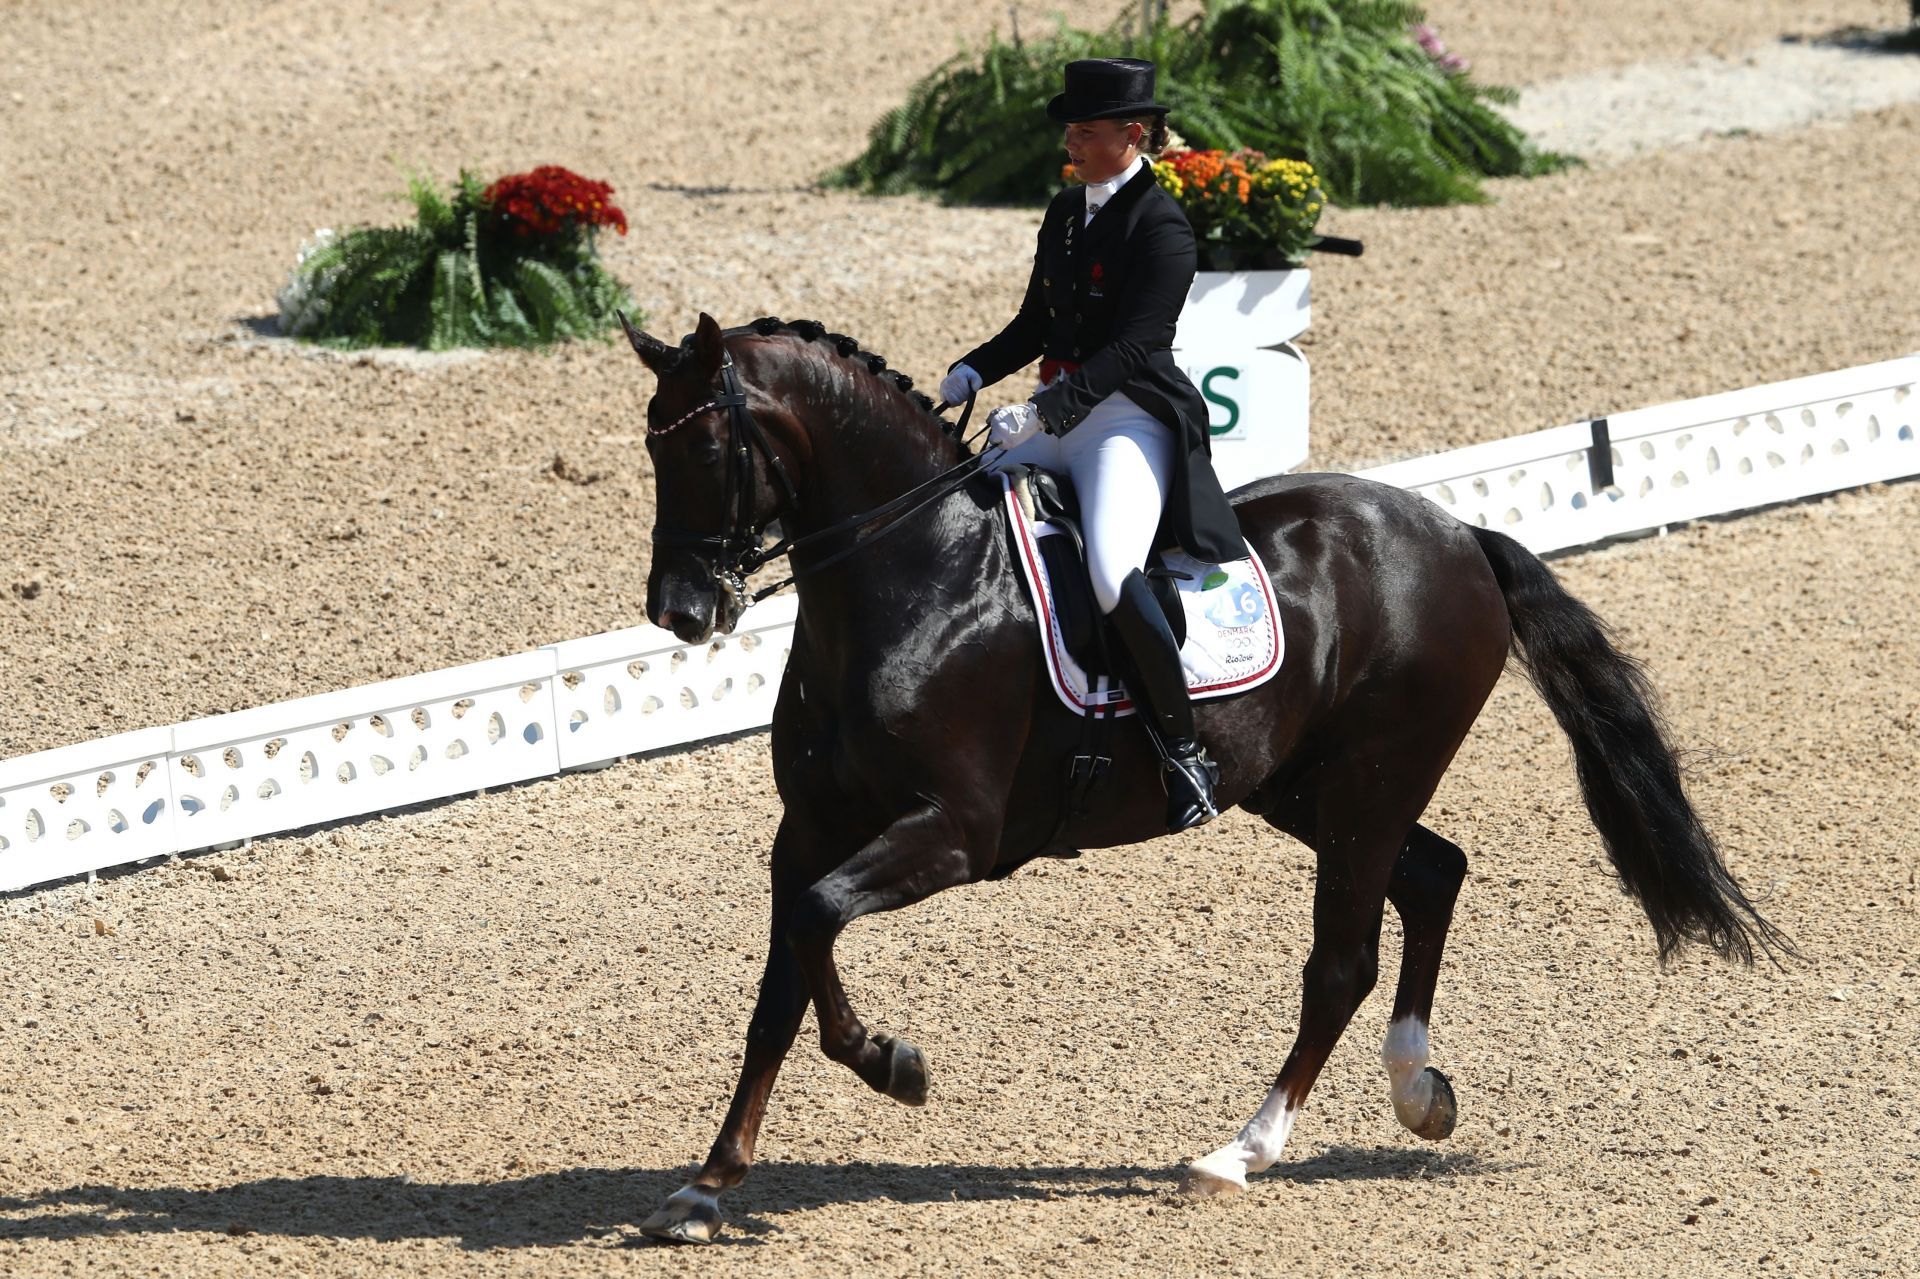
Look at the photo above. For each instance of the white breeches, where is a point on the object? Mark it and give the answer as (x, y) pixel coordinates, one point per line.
(1120, 462)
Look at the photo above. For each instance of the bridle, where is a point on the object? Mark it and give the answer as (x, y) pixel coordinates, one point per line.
(738, 551)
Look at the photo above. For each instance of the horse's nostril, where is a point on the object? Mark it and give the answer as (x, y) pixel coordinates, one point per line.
(686, 628)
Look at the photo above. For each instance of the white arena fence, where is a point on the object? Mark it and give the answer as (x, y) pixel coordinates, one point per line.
(1634, 472)
(583, 703)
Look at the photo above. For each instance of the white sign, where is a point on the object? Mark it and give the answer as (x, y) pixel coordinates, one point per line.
(1256, 408)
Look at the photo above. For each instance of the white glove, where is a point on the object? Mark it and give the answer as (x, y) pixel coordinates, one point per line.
(956, 386)
(1008, 425)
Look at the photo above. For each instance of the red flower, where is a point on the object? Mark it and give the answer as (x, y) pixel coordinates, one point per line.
(551, 200)
(1096, 273)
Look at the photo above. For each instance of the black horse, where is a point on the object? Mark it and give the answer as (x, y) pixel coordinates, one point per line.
(916, 745)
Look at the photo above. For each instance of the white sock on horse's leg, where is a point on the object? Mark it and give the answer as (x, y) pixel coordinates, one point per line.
(1256, 1149)
(1404, 1054)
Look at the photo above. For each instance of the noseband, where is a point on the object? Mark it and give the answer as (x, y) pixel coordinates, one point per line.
(738, 552)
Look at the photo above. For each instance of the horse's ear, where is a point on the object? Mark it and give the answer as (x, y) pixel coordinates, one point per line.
(708, 347)
(653, 353)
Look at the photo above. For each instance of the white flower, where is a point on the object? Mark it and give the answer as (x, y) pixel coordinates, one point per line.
(303, 301)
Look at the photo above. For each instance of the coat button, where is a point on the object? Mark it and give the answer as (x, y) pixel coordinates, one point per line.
(1076, 317)
(1051, 311)
(1046, 283)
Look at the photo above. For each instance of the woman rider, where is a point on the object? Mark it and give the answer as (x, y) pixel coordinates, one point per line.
(1113, 412)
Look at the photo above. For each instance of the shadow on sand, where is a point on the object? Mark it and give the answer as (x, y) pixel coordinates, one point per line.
(1867, 39)
(558, 1208)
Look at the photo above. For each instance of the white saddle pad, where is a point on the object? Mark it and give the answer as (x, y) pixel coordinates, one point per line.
(1233, 626)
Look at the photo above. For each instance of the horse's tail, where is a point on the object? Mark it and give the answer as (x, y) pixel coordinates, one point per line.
(1628, 774)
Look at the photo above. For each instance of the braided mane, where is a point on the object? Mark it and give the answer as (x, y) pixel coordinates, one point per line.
(845, 348)
(848, 348)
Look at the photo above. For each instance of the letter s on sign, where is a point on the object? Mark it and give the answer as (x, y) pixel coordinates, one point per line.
(1231, 406)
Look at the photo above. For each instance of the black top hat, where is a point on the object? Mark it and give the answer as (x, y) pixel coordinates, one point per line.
(1102, 88)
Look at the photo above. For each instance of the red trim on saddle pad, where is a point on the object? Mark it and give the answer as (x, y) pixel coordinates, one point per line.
(1051, 368)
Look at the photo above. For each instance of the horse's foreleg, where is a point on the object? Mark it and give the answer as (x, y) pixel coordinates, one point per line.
(917, 856)
(1349, 899)
(692, 1213)
(1426, 880)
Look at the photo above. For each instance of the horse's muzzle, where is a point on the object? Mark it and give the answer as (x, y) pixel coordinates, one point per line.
(683, 597)
(694, 613)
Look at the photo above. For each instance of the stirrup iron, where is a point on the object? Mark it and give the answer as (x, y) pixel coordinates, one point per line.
(1189, 775)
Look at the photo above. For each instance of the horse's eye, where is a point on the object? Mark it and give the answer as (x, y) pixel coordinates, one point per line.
(706, 451)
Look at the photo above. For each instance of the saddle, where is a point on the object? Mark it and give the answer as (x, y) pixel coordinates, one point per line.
(1223, 616)
(1089, 640)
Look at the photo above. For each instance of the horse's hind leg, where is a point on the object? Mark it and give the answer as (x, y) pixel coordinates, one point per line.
(1426, 880)
(1349, 899)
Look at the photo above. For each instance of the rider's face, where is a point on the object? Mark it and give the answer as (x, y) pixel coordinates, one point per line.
(1100, 149)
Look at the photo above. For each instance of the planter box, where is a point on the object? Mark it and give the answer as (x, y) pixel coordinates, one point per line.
(1234, 340)
(1245, 310)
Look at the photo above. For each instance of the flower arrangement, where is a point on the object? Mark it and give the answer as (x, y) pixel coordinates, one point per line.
(510, 263)
(1249, 211)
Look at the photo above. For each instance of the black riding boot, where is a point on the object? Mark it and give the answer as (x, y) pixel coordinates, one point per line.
(1161, 691)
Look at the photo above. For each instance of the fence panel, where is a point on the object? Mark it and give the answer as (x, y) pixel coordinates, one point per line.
(640, 689)
(1573, 485)
(78, 808)
(364, 750)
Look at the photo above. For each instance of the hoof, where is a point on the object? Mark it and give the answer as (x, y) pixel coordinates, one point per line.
(906, 1070)
(691, 1214)
(1442, 1113)
(1219, 1173)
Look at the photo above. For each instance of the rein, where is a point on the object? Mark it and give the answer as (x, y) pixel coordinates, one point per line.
(743, 540)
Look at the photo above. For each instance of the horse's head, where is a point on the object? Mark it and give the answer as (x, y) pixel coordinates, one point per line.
(710, 501)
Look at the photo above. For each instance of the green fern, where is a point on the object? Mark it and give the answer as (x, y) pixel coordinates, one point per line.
(547, 295)
(433, 212)
(1340, 83)
(449, 301)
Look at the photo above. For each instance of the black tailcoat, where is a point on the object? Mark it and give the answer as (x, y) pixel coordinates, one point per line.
(1107, 295)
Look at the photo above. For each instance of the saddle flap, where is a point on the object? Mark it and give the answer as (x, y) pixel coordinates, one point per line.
(1165, 585)
(1047, 498)
(1074, 606)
